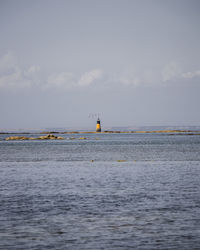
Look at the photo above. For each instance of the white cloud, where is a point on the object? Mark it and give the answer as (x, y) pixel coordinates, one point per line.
(10, 73)
(191, 74)
(146, 77)
(89, 77)
(134, 81)
(63, 80)
(12, 76)
(171, 71)
(128, 77)
(66, 80)
(32, 70)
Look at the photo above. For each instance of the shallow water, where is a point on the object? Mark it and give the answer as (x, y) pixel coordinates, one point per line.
(54, 197)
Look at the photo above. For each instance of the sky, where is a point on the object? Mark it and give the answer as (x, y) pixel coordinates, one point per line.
(134, 62)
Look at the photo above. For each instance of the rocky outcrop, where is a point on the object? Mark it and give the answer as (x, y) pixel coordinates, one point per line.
(45, 137)
(19, 138)
(50, 137)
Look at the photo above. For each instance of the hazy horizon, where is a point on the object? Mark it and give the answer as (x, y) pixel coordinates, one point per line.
(134, 62)
(92, 128)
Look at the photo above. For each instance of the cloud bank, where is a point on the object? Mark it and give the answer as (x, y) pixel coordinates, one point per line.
(61, 80)
(89, 77)
(191, 74)
(171, 71)
(12, 76)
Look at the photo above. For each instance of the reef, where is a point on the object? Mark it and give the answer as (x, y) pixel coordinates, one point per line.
(45, 137)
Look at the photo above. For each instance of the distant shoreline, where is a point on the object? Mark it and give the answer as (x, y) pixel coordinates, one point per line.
(106, 132)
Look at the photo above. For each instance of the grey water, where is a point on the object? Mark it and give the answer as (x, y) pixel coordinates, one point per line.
(110, 191)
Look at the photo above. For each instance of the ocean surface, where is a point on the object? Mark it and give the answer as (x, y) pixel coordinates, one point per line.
(110, 191)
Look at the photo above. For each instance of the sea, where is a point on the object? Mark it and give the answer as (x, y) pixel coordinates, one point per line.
(108, 191)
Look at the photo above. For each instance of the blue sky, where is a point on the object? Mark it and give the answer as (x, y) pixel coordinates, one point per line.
(137, 63)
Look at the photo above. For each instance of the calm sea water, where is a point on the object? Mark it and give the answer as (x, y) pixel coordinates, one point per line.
(75, 194)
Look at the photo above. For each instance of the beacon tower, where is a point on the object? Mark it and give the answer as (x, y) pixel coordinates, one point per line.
(98, 126)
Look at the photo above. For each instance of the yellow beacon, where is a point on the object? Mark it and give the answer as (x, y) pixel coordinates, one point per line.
(98, 126)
